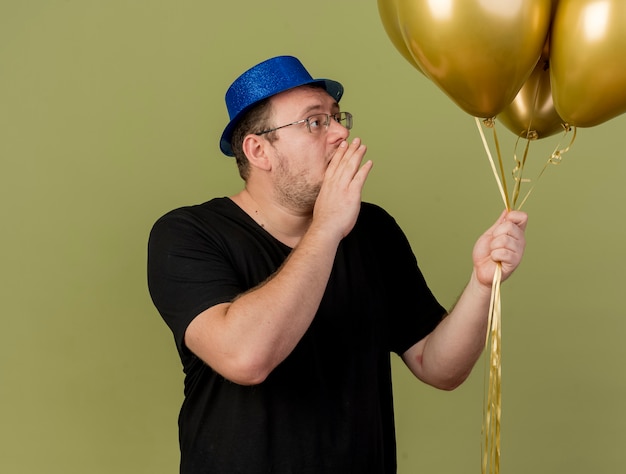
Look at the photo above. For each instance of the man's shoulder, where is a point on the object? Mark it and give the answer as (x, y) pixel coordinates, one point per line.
(371, 211)
(195, 218)
(220, 204)
(199, 212)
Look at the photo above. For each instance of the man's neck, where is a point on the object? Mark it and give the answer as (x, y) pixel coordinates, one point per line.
(282, 223)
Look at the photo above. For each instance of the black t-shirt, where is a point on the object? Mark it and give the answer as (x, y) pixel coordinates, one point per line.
(327, 408)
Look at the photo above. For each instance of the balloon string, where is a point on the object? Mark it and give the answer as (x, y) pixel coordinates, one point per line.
(554, 159)
(530, 135)
(503, 193)
(492, 124)
(492, 406)
(492, 397)
(518, 171)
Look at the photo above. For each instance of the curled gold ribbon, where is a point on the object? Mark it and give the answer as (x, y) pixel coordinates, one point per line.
(554, 159)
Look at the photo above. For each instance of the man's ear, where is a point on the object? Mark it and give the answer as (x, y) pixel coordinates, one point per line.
(254, 147)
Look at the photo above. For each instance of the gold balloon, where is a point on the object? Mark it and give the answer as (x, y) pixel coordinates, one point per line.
(479, 52)
(588, 60)
(532, 114)
(555, 4)
(388, 12)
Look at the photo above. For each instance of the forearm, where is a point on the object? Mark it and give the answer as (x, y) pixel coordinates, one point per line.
(274, 316)
(445, 358)
(248, 338)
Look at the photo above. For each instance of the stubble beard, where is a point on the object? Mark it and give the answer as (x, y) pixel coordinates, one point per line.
(295, 191)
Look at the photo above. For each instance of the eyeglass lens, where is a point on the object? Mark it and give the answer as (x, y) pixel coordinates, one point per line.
(317, 122)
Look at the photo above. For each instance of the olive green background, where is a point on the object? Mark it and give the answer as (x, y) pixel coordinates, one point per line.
(110, 114)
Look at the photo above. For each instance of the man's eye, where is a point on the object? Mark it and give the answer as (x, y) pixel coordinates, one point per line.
(315, 122)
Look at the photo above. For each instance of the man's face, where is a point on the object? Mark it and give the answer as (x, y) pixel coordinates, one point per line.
(300, 158)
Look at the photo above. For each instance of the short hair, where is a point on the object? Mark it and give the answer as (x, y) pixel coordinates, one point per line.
(253, 121)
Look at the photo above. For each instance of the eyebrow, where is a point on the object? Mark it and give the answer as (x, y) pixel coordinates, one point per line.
(317, 107)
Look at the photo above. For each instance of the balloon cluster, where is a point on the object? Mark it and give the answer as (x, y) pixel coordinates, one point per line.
(536, 65)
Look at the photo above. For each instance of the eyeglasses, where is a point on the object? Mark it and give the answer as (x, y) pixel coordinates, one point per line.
(318, 122)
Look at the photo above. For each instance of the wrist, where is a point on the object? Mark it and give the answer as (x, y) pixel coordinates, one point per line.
(476, 286)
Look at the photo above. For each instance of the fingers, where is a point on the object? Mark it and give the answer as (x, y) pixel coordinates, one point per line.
(344, 165)
(511, 231)
(511, 224)
(503, 243)
(519, 218)
(348, 156)
(508, 240)
(361, 175)
(339, 199)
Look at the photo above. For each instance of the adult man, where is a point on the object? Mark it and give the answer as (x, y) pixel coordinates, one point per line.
(286, 299)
